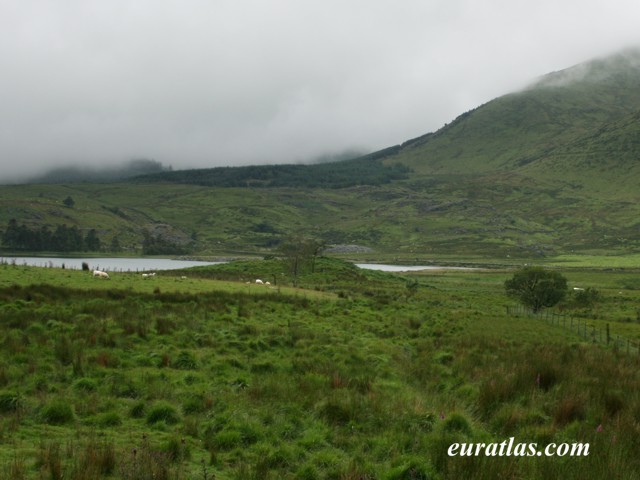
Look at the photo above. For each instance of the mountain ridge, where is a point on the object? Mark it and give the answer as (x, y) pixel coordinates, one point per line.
(512, 130)
(534, 173)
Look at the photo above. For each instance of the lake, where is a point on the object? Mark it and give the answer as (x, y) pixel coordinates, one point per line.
(115, 264)
(133, 264)
(405, 268)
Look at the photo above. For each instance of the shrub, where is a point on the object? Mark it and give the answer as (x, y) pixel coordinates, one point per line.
(109, 419)
(85, 385)
(185, 361)
(9, 402)
(194, 404)
(137, 410)
(227, 440)
(457, 422)
(163, 412)
(586, 298)
(58, 412)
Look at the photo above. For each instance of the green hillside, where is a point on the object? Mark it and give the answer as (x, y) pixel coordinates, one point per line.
(546, 171)
(515, 130)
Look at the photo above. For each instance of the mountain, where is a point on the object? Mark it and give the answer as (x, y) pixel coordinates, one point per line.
(562, 109)
(548, 170)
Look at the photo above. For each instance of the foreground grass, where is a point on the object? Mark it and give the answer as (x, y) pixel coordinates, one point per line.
(356, 376)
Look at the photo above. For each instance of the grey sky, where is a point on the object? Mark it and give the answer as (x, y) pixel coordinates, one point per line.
(197, 83)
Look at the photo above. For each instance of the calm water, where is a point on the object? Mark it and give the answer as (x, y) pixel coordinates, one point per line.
(132, 264)
(405, 268)
(107, 264)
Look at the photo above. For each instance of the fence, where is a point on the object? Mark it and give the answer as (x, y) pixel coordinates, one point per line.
(600, 335)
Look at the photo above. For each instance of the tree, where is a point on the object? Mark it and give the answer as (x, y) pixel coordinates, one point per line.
(91, 241)
(11, 237)
(115, 245)
(298, 252)
(536, 287)
(69, 202)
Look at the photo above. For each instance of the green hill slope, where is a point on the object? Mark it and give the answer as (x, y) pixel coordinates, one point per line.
(515, 130)
(549, 170)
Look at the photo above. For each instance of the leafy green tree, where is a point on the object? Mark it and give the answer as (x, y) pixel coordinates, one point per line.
(91, 241)
(66, 239)
(11, 236)
(300, 252)
(69, 202)
(115, 245)
(536, 287)
(586, 298)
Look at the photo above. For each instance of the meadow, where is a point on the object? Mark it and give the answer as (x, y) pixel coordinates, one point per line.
(354, 374)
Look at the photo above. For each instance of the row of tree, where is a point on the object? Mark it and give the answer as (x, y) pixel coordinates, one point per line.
(368, 170)
(62, 239)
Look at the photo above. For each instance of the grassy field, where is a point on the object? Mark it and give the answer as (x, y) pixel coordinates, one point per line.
(495, 215)
(353, 375)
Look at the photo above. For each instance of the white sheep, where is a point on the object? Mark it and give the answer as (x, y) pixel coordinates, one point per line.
(100, 274)
(259, 282)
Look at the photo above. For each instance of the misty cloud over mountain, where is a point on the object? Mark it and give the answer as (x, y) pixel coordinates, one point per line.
(202, 84)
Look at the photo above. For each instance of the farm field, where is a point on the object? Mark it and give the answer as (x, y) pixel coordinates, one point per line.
(353, 374)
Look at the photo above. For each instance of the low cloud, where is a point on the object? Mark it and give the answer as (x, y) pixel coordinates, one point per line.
(192, 83)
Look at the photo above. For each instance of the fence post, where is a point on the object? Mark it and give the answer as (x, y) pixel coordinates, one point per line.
(608, 335)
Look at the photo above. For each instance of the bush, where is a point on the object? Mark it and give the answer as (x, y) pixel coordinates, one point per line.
(456, 422)
(586, 298)
(227, 440)
(137, 410)
(185, 361)
(163, 412)
(58, 412)
(85, 385)
(9, 402)
(109, 419)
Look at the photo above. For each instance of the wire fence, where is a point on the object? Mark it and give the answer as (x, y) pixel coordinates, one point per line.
(596, 334)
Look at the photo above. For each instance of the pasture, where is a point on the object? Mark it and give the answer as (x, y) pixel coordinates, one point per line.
(353, 375)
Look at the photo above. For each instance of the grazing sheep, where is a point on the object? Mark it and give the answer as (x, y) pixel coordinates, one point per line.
(259, 282)
(100, 274)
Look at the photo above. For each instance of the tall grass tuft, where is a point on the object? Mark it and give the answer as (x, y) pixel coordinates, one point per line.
(57, 412)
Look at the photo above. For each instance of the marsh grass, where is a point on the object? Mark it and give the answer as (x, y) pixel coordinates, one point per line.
(134, 384)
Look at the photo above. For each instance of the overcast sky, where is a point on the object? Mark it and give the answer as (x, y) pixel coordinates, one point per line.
(199, 83)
